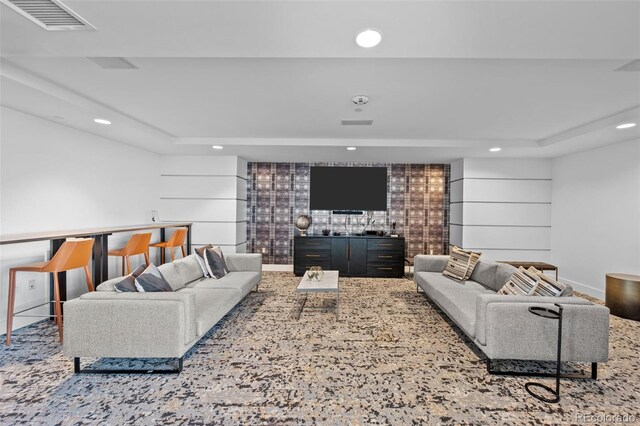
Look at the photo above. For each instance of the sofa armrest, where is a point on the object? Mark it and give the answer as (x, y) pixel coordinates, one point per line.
(430, 263)
(507, 330)
(244, 262)
(136, 325)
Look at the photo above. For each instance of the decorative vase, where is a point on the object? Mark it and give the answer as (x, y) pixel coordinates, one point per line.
(315, 273)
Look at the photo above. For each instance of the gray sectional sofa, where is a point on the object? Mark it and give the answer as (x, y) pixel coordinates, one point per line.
(502, 327)
(105, 323)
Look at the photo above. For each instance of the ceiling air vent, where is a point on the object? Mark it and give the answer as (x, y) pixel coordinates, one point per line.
(52, 15)
(357, 122)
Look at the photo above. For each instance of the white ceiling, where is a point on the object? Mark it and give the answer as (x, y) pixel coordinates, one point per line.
(272, 80)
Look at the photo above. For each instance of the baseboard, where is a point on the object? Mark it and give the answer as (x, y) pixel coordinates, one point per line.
(583, 288)
(277, 268)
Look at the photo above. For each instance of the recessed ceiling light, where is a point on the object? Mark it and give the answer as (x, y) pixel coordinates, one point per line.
(358, 110)
(626, 126)
(101, 121)
(58, 117)
(496, 149)
(368, 38)
(216, 146)
(351, 148)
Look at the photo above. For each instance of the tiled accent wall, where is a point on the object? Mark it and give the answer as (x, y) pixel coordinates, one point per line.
(277, 193)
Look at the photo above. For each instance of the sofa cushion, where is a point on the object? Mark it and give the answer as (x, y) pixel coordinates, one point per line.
(456, 299)
(180, 272)
(212, 305)
(503, 274)
(242, 281)
(485, 273)
(547, 286)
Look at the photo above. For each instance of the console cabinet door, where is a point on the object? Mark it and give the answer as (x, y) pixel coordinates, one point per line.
(340, 256)
(357, 257)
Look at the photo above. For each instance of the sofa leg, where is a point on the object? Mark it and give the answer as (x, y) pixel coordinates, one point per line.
(593, 375)
(77, 370)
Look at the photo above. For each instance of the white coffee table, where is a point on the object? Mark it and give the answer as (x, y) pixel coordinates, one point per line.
(328, 284)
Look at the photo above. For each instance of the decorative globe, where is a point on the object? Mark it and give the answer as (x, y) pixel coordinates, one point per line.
(303, 222)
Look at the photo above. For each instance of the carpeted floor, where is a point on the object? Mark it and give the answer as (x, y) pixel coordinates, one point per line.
(391, 359)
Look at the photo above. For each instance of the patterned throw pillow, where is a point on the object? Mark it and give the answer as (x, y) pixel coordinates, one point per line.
(200, 256)
(214, 260)
(547, 286)
(151, 280)
(531, 282)
(461, 264)
(128, 283)
(521, 283)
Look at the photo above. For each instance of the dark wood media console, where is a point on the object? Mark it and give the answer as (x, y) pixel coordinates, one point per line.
(353, 256)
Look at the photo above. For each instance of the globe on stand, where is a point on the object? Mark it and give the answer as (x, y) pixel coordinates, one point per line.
(303, 222)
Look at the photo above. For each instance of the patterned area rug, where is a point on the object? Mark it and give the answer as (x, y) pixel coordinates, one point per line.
(392, 358)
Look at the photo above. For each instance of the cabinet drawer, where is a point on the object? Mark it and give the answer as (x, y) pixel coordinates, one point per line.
(385, 270)
(379, 256)
(312, 255)
(386, 244)
(313, 243)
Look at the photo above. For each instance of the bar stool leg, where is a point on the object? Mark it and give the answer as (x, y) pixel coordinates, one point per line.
(146, 259)
(128, 265)
(173, 254)
(183, 252)
(122, 269)
(10, 305)
(88, 276)
(56, 303)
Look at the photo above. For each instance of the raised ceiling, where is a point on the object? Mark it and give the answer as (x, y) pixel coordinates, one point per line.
(272, 80)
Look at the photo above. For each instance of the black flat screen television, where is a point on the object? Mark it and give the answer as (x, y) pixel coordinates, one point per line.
(348, 188)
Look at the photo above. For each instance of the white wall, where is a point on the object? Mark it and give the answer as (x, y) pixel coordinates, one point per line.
(502, 207)
(211, 192)
(54, 177)
(596, 215)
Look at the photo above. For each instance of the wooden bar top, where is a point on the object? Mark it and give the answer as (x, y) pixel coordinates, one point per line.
(58, 235)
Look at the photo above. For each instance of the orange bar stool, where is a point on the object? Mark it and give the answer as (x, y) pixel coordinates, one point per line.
(137, 244)
(72, 254)
(176, 240)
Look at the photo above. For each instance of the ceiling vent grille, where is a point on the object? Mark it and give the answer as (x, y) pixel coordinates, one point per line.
(52, 15)
(357, 122)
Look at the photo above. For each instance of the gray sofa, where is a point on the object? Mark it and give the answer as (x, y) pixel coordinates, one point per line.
(502, 327)
(105, 323)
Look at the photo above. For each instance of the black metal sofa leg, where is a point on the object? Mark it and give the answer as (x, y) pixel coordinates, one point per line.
(78, 370)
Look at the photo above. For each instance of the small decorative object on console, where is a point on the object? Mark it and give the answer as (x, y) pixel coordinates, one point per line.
(315, 273)
(303, 222)
(326, 232)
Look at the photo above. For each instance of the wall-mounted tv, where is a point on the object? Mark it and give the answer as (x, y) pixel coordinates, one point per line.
(348, 188)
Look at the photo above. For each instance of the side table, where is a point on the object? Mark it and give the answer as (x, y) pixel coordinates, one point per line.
(622, 295)
(557, 315)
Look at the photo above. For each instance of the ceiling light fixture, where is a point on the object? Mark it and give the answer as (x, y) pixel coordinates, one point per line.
(351, 148)
(626, 126)
(101, 121)
(496, 149)
(368, 38)
(216, 146)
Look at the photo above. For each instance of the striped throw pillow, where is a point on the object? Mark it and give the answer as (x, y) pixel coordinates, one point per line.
(547, 286)
(521, 283)
(461, 264)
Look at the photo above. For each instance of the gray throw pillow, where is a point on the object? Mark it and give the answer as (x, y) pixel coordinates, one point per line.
(485, 273)
(128, 283)
(200, 256)
(214, 259)
(151, 280)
